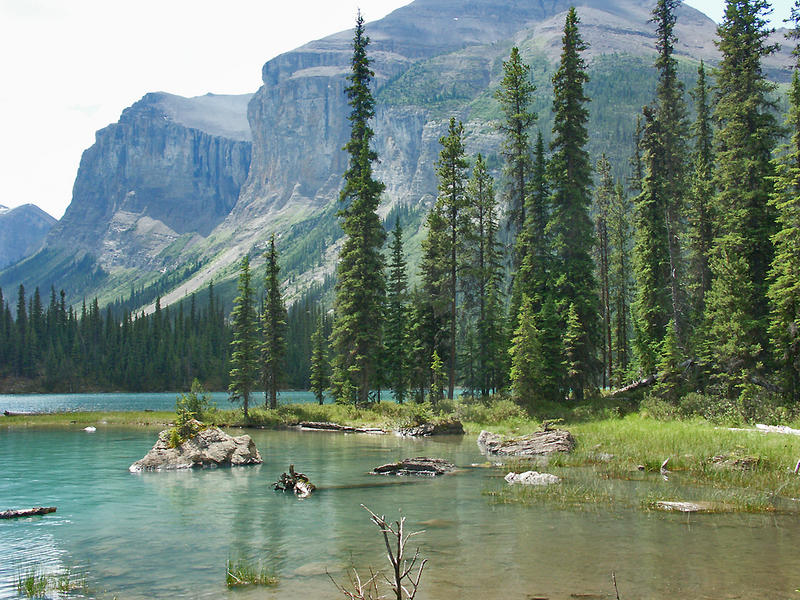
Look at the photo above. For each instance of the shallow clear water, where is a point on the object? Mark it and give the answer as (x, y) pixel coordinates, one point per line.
(168, 535)
(117, 401)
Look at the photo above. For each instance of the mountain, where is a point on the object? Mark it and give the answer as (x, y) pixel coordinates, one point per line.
(173, 195)
(22, 230)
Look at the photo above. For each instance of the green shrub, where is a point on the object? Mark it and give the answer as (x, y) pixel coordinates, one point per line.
(191, 409)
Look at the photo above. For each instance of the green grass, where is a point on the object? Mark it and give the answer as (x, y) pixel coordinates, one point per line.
(565, 495)
(241, 572)
(32, 584)
(35, 582)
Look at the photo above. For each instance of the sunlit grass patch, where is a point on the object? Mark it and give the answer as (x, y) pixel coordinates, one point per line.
(241, 572)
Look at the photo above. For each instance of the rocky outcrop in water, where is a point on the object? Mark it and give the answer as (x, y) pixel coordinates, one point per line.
(453, 427)
(22, 231)
(421, 465)
(532, 478)
(211, 447)
(533, 444)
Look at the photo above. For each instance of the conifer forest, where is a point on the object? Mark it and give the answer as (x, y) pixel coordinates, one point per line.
(547, 280)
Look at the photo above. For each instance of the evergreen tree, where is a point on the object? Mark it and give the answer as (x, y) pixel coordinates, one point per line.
(361, 286)
(670, 168)
(784, 289)
(575, 355)
(602, 209)
(620, 239)
(438, 376)
(273, 331)
(397, 319)
(570, 227)
(700, 233)
(652, 307)
(736, 305)
(320, 378)
(245, 344)
(443, 246)
(515, 95)
(526, 357)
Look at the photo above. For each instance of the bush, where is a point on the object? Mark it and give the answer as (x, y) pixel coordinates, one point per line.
(190, 409)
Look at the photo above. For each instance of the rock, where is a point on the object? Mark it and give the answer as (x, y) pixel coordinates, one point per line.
(453, 427)
(90, 429)
(777, 429)
(416, 466)
(210, 447)
(538, 443)
(532, 478)
(687, 507)
(734, 463)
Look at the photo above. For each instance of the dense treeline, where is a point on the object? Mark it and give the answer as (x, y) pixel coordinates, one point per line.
(49, 346)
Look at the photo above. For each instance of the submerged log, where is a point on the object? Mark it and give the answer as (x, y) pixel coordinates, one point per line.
(421, 465)
(294, 482)
(27, 512)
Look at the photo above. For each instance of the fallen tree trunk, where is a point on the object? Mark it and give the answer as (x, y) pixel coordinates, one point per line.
(27, 512)
(649, 380)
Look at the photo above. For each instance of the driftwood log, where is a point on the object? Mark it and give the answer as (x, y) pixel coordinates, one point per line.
(421, 465)
(27, 512)
(294, 482)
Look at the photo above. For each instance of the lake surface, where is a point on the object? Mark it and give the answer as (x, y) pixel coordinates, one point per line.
(127, 401)
(168, 535)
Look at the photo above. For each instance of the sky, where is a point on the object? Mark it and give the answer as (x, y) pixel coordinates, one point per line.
(70, 67)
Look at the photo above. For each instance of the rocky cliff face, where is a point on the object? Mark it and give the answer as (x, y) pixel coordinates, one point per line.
(170, 167)
(22, 230)
(179, 180)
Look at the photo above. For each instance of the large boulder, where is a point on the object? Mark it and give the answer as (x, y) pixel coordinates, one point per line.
(416, 466)
(453, 427)
(533, 444)
(210, 447)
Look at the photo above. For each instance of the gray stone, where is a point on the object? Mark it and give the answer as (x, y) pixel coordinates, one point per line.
(532, 478)
(533, 444)
(211, 447)
(688, 507)
(453, 427)
(416, 466)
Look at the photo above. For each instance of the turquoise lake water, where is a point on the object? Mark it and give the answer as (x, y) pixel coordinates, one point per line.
(117, 401)
(168, 535)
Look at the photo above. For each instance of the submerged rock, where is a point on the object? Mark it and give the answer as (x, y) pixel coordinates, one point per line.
(533, 444)
(210, 447)
(688, 507)
(416, 466)
(532, 478)
(453, 427)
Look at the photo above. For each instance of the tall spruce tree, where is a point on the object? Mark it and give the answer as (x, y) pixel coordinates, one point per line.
(244, 344)
(602, 215)
(319, 376)
(620, 239)
(736, 305)
(360, 285)
(515, 96)
(482, 278)
(273, 331)
(784, 289)
(397, 319)
(445, 237)
(570, 227)
(670, 168)
(700, 233)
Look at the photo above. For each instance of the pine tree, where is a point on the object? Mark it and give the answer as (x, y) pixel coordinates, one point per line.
(570, 227)
(273, 331)
(736, 305)
(438, 376)
(700, 233)
(651, 254)
(784, 289)
(515, 96)
(397, 319)
(526, 358)
(443, 244)
(602, 209)
(320, 378)
(245, 344)
(670, 168)
(361, 286)
(575, 356)
(620, 238)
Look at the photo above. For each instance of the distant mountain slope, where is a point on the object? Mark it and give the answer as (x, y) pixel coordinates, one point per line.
(22, 230)
(173, 195)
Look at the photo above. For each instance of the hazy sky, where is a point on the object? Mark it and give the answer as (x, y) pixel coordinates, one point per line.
(70, 67)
